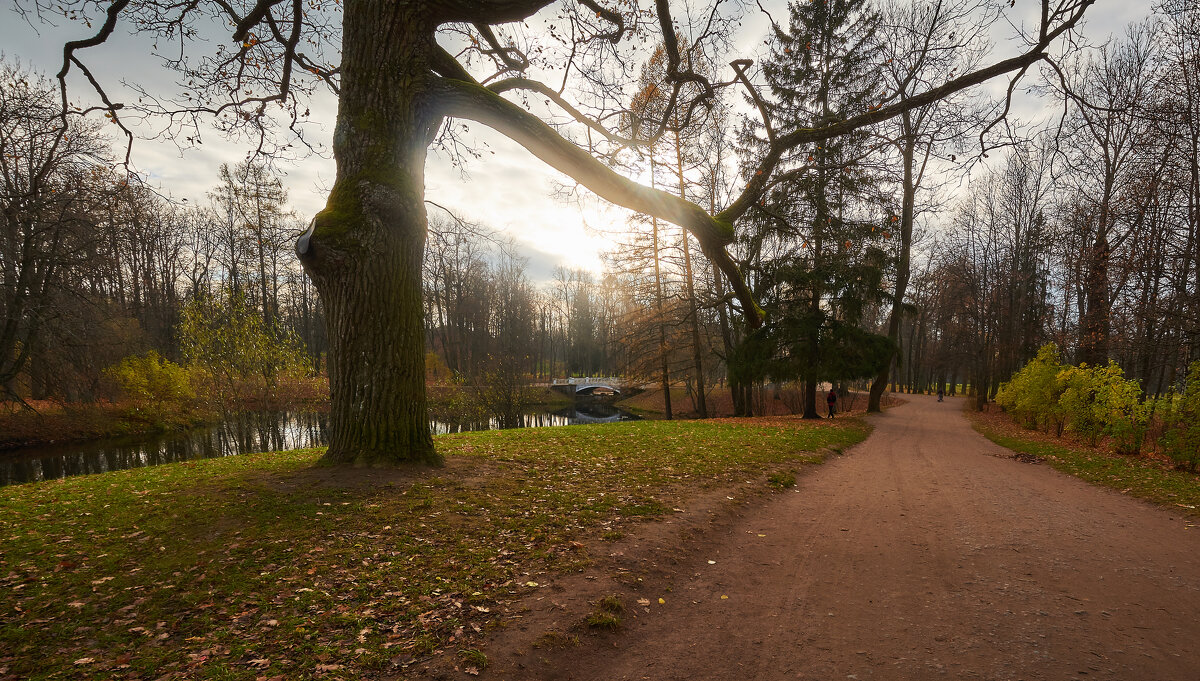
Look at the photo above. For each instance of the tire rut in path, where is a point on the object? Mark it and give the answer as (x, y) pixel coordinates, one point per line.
(920, 555)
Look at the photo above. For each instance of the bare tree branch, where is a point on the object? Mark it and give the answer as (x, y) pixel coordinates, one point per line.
(739, 68)
(798, 137)
(106, 30)
(471, 101)
(610, 16)
(542, 89)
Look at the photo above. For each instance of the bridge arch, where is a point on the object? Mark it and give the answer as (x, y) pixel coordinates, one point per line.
(596, 388)
(590, 385)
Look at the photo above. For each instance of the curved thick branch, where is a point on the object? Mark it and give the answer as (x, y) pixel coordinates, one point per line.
(487, 11)
(444, 64)
(256, 14)
(471, 101)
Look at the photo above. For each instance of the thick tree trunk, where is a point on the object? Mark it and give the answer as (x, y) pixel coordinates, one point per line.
(810, 397)
(735, 386)
(1093, 341)
(809, 372)
(903, 271)
(364, 250)
(697, 345)
(981, 394)
(1093, 328)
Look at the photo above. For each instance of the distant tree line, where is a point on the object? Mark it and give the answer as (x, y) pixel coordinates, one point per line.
(96, 265)
(1086, 235)
(481, 310)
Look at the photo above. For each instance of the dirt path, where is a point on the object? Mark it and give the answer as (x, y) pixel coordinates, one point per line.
(919, 556)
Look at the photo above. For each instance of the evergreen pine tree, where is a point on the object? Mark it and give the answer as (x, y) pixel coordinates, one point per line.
(820, 71)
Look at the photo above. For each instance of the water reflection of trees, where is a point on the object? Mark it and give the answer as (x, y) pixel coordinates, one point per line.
(580, 413)
(240, 433)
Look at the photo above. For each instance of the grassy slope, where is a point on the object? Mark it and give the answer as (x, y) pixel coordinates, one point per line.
(263, 565)
(1138, 476)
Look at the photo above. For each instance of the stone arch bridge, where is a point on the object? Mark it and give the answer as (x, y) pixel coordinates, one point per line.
(589, 385)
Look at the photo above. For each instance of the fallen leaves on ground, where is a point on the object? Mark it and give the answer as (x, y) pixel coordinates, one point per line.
(242, 568)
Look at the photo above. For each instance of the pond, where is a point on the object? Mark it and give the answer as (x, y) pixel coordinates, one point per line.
(241, 433)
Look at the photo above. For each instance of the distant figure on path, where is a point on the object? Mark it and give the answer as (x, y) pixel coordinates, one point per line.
(941, 393)
(831, 398)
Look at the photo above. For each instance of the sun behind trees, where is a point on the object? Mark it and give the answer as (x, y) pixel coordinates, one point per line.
(397, 86)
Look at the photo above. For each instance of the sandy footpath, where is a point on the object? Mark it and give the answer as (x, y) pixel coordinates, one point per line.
(919, 555)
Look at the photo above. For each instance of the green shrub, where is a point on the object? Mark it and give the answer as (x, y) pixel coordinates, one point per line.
(1033, 393)
(228, 342)
(151, 383)
(1099, 401)
(1181, 422)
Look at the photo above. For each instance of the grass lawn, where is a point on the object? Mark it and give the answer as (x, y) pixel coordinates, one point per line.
(1144, 477)
(265, 566)
(787, 401)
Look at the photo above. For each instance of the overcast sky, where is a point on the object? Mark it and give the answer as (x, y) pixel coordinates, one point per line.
(509, 190)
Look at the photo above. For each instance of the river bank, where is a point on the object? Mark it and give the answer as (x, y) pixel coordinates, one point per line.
(120, 444)
(48, 423)
(51, 423)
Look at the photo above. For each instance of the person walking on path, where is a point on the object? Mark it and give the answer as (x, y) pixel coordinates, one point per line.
(941, 393)
(831, 399)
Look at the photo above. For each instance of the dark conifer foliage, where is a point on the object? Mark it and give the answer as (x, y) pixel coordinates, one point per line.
(827, 265)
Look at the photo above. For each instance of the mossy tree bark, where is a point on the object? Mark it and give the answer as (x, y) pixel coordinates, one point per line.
(365, 248)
